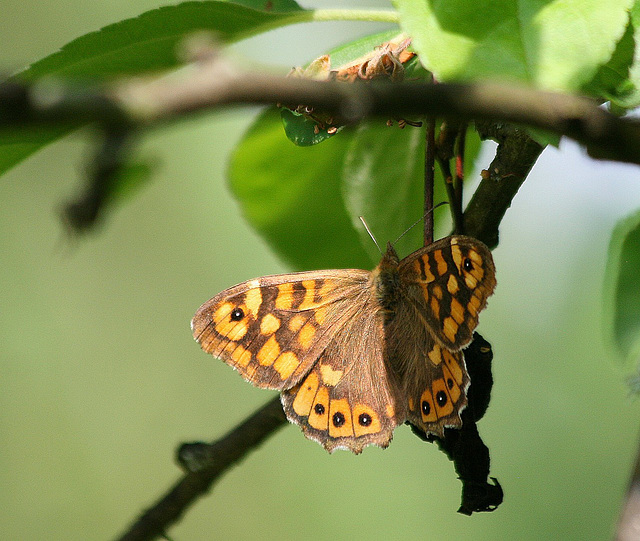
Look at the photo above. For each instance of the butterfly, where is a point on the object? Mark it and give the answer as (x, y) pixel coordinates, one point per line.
(354, 352)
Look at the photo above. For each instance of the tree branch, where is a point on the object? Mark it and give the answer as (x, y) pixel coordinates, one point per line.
(215, 83)
(604, 135)
(515, 156)
(205, 463)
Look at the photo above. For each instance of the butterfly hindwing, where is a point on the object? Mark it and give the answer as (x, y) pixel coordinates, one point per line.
(437, 395)
(433, 379)
(348, 399)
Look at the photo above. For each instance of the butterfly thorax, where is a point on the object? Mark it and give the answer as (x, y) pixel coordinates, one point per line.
(386, 279)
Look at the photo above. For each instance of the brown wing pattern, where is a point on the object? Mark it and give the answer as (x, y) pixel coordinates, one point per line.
(449, 281)
(444, 286)
(272, 329)
(347, 400)
(433, 379)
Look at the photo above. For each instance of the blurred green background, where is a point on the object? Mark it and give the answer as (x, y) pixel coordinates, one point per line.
(100, 378)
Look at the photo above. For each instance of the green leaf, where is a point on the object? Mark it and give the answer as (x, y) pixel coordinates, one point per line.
(622, 289)
(633, 97)
(551, 44)
(383, 181)
(315, 194)
(142, 44)
(612, 81)
(308, 206)
(543, 137)
(149, 41)
(291, 195)
(347, 52)
(312, 196)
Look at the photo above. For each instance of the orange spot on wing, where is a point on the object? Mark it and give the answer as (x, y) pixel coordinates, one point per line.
(427, 410)
(241, 356)
(428, 275)
(269, 324)
(390, 411)
(440, 262)
(319, 415)
(450, 329)
(222, 312)
(454, 365)
(340, 423)
(306, 394)
(330, 376)
(321, 314)
(306, 334)
(437, 292)
(435, 307)
(286, 364)
(296, 322)
(452, 285)
(327, 287)
(439, 386)
(269, 352)
(365, 420)
(475, 257)
(452, 386)
(253, 300)
(474, 305)
(457, 311)
(309, 294)
(284, 300)
(456, 254)
(233, 330)
(470, 280)
(435, 354)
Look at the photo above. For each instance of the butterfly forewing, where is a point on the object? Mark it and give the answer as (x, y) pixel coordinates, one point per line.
(450, 280)
(272, 329)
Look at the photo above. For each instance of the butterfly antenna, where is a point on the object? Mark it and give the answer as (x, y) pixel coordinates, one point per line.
(370, 233)
(418, 220)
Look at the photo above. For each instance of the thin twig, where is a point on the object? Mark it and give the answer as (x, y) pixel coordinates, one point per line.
(445, 153)
(429, 179)
(217, 458)
(458, 181)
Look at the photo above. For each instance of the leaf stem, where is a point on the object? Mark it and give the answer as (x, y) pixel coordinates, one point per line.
(367, 15)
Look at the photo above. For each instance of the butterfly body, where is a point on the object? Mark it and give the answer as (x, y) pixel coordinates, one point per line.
(354, 352)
